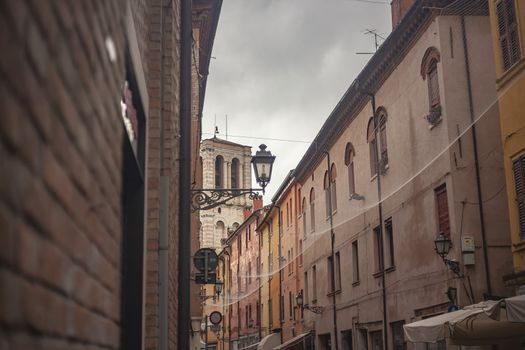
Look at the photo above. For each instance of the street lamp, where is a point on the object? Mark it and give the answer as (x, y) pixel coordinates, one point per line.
(443, 244)
(262, 166)
(262, 161)
(300, 302)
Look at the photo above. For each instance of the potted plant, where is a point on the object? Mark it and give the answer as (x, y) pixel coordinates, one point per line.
(434, 117)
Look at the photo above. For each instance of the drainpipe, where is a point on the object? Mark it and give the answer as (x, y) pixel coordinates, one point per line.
(259, 311)
(163, 211)
(476, 159)
(380, 208)
(185, 178)
(332, 241)
(281, 306)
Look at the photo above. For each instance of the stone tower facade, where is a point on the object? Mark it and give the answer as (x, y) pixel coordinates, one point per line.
(225, 164)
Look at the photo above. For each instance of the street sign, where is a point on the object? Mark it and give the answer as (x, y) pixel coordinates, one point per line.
(205, 278)
(205, 259)
(215, 317)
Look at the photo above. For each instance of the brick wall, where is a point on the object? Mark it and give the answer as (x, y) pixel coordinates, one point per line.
(60, 176)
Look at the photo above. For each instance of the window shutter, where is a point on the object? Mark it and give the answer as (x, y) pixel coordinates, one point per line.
(433, 87)
(442, 208)
(519, 177)
(508, 33)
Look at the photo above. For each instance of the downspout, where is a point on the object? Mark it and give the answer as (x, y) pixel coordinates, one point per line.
(238, 294)
(332, 241)
(380, 208)
(281, 303)
(476, 159)
(259, 312)
(163, 211)
(183, 332)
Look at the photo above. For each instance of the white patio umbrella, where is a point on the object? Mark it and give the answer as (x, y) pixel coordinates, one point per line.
(479, 324)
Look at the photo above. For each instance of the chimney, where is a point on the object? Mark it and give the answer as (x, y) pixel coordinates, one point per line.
(399, 8)
(257, 203)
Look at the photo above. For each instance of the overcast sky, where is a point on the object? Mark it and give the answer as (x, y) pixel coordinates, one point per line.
(280, 68)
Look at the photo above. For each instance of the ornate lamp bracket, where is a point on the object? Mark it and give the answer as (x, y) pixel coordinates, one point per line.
(204, 199)
(314, 309)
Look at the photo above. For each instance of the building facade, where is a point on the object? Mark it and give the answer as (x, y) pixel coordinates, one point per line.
(381, 183)
(508, 33)
(104, 162)
(244, 244)
(226, 165)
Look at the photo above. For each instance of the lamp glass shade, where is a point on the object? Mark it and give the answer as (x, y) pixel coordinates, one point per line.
(443, 244)
(299, 299)
(262, 165)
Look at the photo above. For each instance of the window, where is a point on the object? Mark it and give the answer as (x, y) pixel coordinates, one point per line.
(518, 167)
(257, 312)
(314, 284)
(235, 173)
(377, 244)
(290, 311)
(300, 252)
(508, 33)
(330, 269)
(382, 136)
(312, 210)
(270, 312)
(389, 236)
(398, 335)
(326, 188)
(337, 271)
(287, 215)
(433, 85)
(239, 243)
(346, 336)
(249, 272)
(376, 338)
(304, 217)
(282, 308)
(429, 73)
(219, 166)
(333, 191)
(305, 295)
(292, 258)
(304, 300)
(371, 139)
(349, 162)
(355, 261)
(442, 210)
(289, 265)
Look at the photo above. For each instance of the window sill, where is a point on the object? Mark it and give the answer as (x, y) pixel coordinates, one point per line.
(337, 292)
(377, 274)
(356, 283)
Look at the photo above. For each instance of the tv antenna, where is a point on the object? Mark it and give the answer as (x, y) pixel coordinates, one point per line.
(376, 36)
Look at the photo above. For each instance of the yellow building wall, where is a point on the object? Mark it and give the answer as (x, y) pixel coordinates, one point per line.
(511, 91)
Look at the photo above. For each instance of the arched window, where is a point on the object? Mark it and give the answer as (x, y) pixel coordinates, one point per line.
(371, 139)
(235, 173)
(429, 72)
(303, 211)
(333, 188)
(219, 231)
(326, 187)
(349, 162)
(372, 142)
(312, 210)
(219, 174)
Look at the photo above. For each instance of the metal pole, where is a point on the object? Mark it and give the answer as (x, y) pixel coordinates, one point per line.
(380, 208)
(332, 238)
(476, 160)
(183, 333)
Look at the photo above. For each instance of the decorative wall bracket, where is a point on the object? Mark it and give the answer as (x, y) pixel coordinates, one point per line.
(314, 309)
(204, 199)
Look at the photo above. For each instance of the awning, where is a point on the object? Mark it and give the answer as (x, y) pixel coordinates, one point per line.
(294, 341)
(484, 323)
(270, 341)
